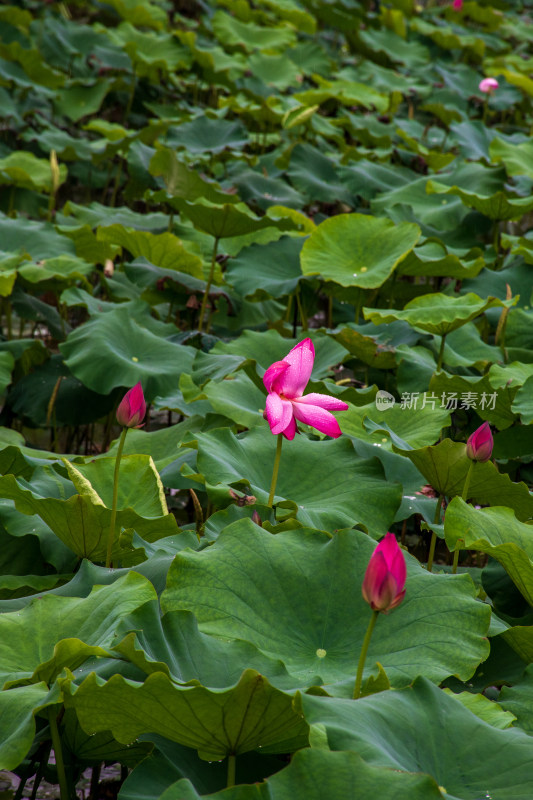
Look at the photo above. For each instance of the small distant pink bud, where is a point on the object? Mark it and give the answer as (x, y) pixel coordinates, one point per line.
(457, 5)
(480, 443)
(488, 85)
(132, 408)
(384, 581)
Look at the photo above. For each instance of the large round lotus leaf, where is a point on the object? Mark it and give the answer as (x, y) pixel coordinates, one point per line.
(445, 467)
(39, 239)
(497, 532)
(424, 730)
(25, 170)
(56, 632)
(357, 249)
(181, 181)
(216, 722)
(82, 521)
(127, 353)
(173, 644)
(326, 483)
(417, 426)
(316, 774)
(268, 346)
(208, 135)
(438, 313)
(497, 206)
(297, 596)
(230, 219)
(271, 270)
(162, 249)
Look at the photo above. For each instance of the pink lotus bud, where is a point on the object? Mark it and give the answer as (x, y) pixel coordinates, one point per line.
(488, 85)
(384, 581)
(480, 443)
(132, 408)
(457, 5)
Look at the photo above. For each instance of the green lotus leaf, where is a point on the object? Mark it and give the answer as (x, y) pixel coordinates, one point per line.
(51, 632)
(497, 206)
(357, 250)
(231, 31)
(328, 486)
(17, 709)
(438, 313)
(92, 749)
(230, 219)
(445, 466)
(139, 484)
(127, 353)
(517, 158)
(517, 700)
(485, 709)
(467, 757)
(494, 405)
(24, 169)
(412, 425)
(163, 249)
(523, 404)
(315, 774)
(181, 181)
(215, 722)
(432, 258)
(260, 272)
(497, 532)
(173, 644)
(248, 585)
(82, 522)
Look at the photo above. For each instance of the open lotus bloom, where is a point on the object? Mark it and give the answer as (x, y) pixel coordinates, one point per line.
(488, 85)
(132, 408)
(384, 581)
(285, 382)
(480, 443)
(457, 5)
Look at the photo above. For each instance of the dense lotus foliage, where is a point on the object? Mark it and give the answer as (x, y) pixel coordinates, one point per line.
(265, 269)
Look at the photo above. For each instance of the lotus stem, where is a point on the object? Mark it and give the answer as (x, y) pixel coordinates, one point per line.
(111, 535)
(362, 657)
(467, 481)
(441, 352)
(231, 770)
(58, 752)
(275, 471)
(464, 497)
(208, 285)
(433, 543)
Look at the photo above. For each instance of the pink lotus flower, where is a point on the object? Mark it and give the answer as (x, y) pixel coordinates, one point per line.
(285, 382)
(457, 5)
(488, 85)
(480, 443)
(384, 581)
(132, 408)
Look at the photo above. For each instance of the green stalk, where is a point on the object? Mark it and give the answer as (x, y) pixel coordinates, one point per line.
(231, 770)
(464, 497)
(111, 535)
(441, 353)
(60, 765)
(362, 657)
(434, 535)
(303, 318)
(275, 471)
(208, 285)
